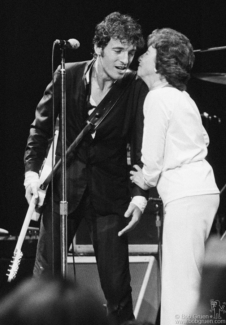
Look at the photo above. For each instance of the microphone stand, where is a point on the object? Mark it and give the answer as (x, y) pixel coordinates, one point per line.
(63, 203)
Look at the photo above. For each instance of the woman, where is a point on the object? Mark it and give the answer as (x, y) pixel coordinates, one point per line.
(173, 153)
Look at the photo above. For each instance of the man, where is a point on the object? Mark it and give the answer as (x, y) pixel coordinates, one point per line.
(97, 173)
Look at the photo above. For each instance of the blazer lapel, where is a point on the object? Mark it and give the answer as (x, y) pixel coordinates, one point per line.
(83, 92)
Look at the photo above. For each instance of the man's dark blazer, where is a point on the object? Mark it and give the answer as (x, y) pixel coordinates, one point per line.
(100, 162)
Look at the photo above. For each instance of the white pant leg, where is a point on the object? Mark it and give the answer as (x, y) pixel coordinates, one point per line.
(187, 224)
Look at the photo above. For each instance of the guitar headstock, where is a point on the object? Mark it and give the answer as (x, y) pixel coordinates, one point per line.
(14, 266)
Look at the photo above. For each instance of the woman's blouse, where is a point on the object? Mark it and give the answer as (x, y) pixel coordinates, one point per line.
(175, 146)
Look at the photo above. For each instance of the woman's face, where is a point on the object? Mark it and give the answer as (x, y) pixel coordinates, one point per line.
(147, 63)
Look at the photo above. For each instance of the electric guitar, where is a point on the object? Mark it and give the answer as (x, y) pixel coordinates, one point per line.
(32, 213)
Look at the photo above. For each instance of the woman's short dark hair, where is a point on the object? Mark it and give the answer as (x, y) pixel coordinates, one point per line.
(118, 26)
(175, 56)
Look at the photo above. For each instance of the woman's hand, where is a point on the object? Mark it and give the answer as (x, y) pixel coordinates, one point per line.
(138, 178)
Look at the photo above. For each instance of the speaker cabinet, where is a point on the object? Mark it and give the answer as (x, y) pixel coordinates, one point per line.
(145, 233)
(145, 282)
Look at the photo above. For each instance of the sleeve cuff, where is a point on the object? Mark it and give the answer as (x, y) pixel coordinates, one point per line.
(140, 202)
(30, 177)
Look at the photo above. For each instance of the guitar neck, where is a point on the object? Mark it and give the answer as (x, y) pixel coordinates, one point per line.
(25, 224)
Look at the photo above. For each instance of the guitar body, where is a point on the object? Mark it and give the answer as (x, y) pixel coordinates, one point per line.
(38, 208)
(45, 172)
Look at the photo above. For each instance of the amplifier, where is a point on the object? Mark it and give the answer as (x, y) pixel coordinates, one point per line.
(8, 244)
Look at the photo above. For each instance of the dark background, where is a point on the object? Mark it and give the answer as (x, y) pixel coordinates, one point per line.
(29, 30)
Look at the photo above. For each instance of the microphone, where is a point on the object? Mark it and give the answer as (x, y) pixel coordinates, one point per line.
(72, 43)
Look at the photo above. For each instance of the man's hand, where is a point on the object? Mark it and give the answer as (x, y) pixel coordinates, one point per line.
(31, 190)
(31, 183)
(136, 213)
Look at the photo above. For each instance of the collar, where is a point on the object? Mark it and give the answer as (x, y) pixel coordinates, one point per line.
(161, 85)
(88, 71)
(87, 74)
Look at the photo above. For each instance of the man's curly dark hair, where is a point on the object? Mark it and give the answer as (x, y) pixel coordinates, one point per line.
(175, 56)
(118, 26)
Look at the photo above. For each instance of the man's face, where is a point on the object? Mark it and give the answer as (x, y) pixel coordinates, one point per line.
(115, 58)
(147, 63)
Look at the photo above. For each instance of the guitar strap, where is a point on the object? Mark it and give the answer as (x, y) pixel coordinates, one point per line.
(111, 99)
